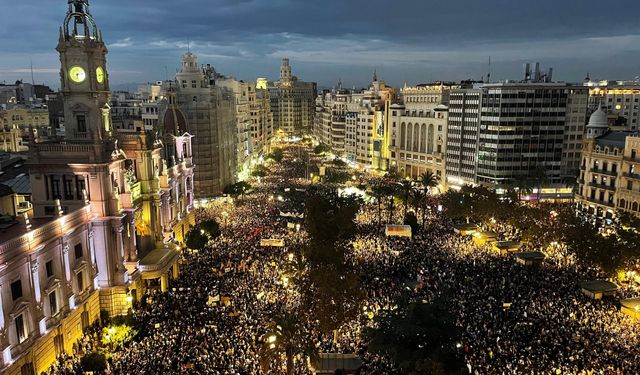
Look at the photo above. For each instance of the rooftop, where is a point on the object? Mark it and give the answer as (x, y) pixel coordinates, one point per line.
(614, 139)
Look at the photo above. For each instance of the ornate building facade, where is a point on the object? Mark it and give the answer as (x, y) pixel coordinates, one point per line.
(609, 178)
(419, 130)
(292, 101)
(107, 210)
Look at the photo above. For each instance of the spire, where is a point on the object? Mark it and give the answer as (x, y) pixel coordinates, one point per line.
(375, 75)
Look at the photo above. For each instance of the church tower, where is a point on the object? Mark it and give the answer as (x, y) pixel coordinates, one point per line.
(84, 77)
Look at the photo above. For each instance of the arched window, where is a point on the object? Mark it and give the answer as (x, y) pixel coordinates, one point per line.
(622, 203)
(409, 137)
(423, 138)
(430, 140)
(403, 135)
(416, 138)
(634, 206)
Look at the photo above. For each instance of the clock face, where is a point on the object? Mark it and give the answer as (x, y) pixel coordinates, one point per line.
(100, 74)
(77, 74)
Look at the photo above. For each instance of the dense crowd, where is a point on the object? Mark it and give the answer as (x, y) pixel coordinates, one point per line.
(217, 316)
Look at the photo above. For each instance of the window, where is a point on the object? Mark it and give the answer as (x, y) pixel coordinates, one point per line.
(78, 251)
(16, 289)
(20, 331)
(80, 187)
(66, 185)
(53, 303)
(80, 281)
(82, 123)
(49, 268)
(55, 188)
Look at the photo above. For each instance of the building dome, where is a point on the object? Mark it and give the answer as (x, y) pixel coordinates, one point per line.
(598, 119)
(598, 124)
(174, 121)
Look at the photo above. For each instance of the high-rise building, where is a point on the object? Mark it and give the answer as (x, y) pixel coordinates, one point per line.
(101, 231)
(609, 178)
(501, 133)
(292, 101)
(419, 130)
(211, 113)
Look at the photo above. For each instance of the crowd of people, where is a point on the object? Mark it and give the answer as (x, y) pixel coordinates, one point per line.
(218, 315)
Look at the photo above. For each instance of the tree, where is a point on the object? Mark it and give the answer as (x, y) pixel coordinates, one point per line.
(239, 189)
(405, 189)
(277, 154)
(211, 228)
(94, 362)
(378, 191)
(289, 337)
(390, 191)
(332, 293)
(411, 220)
(196, 238)
(428, 180)
(336, 177)
(416, 336)
(260, 171)
(321, 149)
(329, 217)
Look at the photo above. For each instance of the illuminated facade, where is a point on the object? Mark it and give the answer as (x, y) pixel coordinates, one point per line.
(23, 119)
(419, 130)
(253, 118)
(610, 171)
(356, 124)
(97, 237)
(292, 102)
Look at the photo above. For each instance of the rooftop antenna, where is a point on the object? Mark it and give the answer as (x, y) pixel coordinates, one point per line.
(166, 73)
(32, 80)
(189, 46)
(489, 73)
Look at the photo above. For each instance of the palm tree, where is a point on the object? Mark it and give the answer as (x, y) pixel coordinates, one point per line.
(390, 191)
(378, 191)
(406, 186)
(419, 199)
(429, 180)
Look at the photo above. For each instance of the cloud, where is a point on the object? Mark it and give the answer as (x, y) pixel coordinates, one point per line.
(411, 40)
(28, 70)
(122, 43)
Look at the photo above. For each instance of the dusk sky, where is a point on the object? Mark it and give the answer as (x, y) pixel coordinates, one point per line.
(405, 40)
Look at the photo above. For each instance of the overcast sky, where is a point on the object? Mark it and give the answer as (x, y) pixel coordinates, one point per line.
(405, 40)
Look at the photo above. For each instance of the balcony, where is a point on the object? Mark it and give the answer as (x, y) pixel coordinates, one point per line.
(128, 200)
(602, 186)
(602, 203)
(602, 171)
(632, 160)
(631, 175)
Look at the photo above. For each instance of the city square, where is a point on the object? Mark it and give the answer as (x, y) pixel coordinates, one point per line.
(206, 224)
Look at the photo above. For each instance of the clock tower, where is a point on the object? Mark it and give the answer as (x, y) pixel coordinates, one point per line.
(84, 79)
